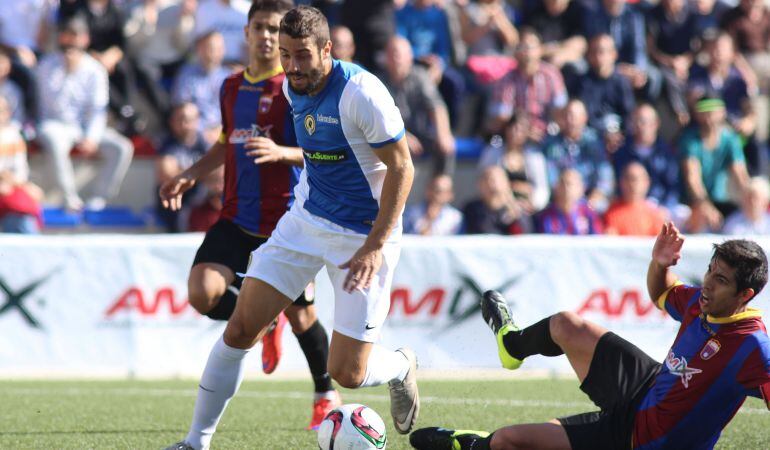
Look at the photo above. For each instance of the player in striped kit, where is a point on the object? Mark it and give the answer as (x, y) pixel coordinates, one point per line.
(262, 163)
(721, 354)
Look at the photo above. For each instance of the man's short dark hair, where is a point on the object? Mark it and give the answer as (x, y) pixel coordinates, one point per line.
(529, 31)
(77, 24)
(270, 6)
(306, 22)
(749, 261)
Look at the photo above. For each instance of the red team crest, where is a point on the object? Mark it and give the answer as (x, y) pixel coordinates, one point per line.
(710, 349)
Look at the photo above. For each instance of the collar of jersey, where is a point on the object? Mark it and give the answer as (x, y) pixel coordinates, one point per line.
(261, 76)
(749, 313)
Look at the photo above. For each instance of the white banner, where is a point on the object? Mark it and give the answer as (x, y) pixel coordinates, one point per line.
(116, 305)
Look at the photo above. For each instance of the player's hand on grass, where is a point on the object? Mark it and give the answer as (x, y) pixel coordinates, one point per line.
(362, 267)
(264, 150)
(171, 191)
(668, 246)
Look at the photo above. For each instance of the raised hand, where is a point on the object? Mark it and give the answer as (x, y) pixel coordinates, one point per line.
(668, 246)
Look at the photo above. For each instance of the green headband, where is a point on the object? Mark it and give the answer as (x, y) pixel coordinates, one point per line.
(709, 105)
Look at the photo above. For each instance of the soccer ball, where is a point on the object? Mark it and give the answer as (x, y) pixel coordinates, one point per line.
(352, 427)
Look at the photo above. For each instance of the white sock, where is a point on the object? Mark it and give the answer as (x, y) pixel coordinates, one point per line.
(384, 365)
(220, 381)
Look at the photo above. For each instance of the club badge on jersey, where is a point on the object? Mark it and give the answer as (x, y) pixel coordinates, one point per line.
(710, 349)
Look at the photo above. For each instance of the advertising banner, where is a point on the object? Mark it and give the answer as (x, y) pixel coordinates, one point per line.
(115, 305)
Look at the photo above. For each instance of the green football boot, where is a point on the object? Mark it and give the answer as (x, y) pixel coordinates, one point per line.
(435, 438)
(494, 310)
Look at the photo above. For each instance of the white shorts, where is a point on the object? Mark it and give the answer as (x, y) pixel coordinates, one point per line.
(301, 245)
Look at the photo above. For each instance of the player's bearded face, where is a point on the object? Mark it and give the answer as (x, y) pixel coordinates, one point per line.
(303, 63)
(305, 82)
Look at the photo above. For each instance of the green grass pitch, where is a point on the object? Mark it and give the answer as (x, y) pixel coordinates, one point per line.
(271, 414)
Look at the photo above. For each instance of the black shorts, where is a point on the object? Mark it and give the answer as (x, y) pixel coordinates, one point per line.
(227, 244)
(618, 378)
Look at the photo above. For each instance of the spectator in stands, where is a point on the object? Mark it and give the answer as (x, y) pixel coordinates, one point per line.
(488, 27)
(373, 23)
(205, 212)
(19, 199)
(670, 33)
(425, 24)
(200, 82)
(535, 88)
(523, 163)
(625, 24)
(569, 212)
(710, 154)
(107, 44)
(23, 27)
(421, 106)
(495, 211)
(577, 146)
(11, 92)
(226, 18)
(74, 112)
(707, 14)
(753, 218)
(180, 150)
(632, 214)
(159, 36)
(722, 79)
(560, 26)
(749, 25)
(343, 44)
(606, 94)
(435, 216)
(658, 158)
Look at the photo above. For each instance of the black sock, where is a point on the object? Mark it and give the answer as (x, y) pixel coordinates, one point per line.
(470, 443)
(315, 345)
(533, 340)
(225, 307)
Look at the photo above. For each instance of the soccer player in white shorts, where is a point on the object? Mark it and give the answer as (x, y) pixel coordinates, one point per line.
(346, 217)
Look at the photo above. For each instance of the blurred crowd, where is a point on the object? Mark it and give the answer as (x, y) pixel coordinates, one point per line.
(597, 116)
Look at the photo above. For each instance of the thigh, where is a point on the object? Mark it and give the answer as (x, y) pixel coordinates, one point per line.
(225, 244)
(288, 260)
(257, 306)
(58, 137)
(360, 314)
(618, 372)
(592, 431)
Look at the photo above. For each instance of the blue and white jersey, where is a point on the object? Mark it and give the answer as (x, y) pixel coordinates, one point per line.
(337, 130)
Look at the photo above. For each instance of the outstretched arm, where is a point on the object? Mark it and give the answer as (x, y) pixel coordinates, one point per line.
(171, 191)
(665, 254)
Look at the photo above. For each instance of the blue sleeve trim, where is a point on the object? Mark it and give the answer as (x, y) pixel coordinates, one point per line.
(389, 141)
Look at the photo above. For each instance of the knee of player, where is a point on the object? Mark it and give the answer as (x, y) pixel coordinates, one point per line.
(563, 325)
(300, 318)
(346, 378)
(508, 438)
(199, 298)
(238, 335)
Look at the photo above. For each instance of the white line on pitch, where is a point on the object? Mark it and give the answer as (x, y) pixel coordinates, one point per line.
(297, 395)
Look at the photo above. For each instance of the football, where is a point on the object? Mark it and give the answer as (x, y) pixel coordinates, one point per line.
(352, 427)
